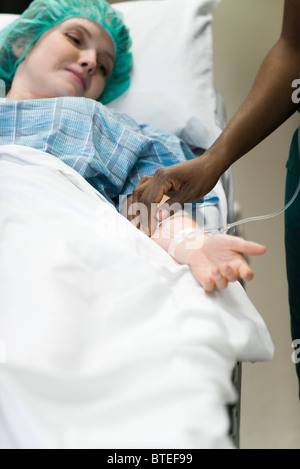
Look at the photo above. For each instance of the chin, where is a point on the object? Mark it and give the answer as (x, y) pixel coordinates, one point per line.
(65, 90)
(68, 93)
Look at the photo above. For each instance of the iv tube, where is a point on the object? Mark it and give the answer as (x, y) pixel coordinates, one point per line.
(226, 228)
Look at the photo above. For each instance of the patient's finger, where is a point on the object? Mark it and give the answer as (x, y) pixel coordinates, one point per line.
(220, 281)
(247, 247)
(246, 273)
(229, 273)
(205, 279)
(208, 285)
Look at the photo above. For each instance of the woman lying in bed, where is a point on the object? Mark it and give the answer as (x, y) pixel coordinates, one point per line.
(61, 61)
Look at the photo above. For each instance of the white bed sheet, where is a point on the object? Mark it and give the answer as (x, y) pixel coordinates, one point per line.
(106, 341)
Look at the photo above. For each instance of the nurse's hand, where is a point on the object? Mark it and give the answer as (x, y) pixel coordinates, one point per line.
(184, 182)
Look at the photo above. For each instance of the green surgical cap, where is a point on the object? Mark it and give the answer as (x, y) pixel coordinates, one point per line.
(42, 15)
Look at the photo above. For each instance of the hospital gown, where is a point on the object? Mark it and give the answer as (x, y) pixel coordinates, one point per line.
(109, 149)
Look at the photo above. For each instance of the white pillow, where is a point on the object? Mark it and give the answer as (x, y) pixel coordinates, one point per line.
(6, 18)
(172, 77)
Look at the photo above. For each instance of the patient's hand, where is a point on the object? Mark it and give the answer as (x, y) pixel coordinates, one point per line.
(220, 260)
(214, 260)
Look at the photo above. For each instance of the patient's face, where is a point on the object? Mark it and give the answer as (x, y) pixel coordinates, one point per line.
(75, 58)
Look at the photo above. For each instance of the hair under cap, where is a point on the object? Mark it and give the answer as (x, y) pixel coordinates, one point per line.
(41, 15)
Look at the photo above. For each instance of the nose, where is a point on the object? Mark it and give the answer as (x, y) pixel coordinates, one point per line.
(88, 61)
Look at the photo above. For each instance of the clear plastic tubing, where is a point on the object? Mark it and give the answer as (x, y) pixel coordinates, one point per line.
(226, 228)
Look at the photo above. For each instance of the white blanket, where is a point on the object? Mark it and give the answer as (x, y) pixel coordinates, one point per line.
(105, 341)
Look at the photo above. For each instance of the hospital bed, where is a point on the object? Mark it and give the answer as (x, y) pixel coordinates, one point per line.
(143, 375)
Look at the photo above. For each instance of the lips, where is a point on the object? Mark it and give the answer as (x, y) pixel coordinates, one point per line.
(78, 75)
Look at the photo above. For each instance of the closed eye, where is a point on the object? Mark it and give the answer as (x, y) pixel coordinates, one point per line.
(105, 63)
(103, 69)
(75, 39)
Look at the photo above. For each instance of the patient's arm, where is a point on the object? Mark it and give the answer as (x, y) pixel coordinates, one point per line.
(214, 260)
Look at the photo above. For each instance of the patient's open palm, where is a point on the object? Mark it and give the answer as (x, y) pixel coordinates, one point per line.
(220, 260)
